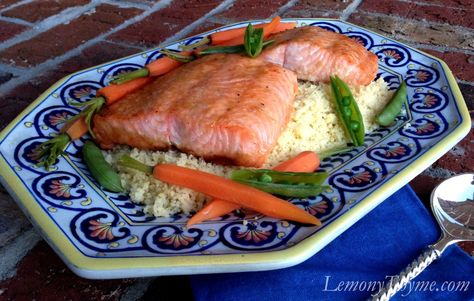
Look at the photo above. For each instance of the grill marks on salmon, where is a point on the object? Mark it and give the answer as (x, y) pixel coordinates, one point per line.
(218, 107)
(315, 54)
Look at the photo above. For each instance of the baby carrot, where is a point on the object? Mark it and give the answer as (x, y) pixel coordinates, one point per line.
(283, 26)
(213, 209)
(50, 150)
(236, 35)
(225, 189)
(306, 161)
(268, 29)
(158, 67)
(219, 187)
(108, 95)
(112, 93)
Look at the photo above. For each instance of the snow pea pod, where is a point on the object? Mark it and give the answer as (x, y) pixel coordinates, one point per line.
(288, 190)
(100, 169)
(279, 177)
(348, 111)
(393, 108)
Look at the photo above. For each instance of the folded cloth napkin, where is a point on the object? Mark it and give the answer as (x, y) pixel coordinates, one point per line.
(377, 247)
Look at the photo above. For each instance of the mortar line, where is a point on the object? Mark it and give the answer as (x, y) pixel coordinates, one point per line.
(350, 9)
(51, 63)
(16, 21)
(15, 5)
(221, 20)
(188, 29)
(124, 44)
(434, 4)
(137, 290)
(127, 4)
(403, 20)
(15, 251)
(440, 48)
(63, 17)
(465, 82)
(284, 8)
(13, 69)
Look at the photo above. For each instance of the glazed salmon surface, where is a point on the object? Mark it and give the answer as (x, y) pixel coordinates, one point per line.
(221, 106)
(315, 54)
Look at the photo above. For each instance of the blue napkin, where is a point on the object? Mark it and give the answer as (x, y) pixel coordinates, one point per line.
(380, 245)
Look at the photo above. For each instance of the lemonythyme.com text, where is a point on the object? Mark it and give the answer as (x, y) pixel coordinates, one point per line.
(332, 285)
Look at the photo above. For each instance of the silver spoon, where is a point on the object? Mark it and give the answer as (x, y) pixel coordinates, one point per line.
(452, 202)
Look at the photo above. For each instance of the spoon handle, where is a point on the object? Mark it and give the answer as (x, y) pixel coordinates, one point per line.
(411, 271)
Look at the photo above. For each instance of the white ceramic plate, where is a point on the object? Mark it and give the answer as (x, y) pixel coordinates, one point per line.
(103, 235)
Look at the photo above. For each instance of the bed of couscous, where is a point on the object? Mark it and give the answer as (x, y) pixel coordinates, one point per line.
(314, 126)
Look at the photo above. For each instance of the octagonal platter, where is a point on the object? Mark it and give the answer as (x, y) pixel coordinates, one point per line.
(104, 235)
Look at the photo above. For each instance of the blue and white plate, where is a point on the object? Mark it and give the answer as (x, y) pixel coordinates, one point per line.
(104, 235)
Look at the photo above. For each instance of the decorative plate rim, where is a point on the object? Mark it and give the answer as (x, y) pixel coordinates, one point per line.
(191, 264)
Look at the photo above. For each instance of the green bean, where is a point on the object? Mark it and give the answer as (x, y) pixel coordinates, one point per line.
(393, 108)
(348, 111)
(100, 169)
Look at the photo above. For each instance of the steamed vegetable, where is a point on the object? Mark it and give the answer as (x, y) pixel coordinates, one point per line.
(224, 189)
(50, 150)
(158, 67)
(108, 95)
(100, 169)
(290, 184)
(393, 108)
(348, 111)
(306, 161)
(236, 36)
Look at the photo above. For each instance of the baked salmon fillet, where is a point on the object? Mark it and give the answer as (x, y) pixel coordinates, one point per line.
(222, 107)
(315, 54)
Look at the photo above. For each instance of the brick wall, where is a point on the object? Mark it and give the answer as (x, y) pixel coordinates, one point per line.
(42, 41)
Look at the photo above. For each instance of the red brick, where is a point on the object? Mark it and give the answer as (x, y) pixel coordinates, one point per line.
(455, 16)
(41, 275)
(468, 94)
(39, 10)
(414, 31)
(243, 10)
(19, 98)
(9, 30)
(317, 9)
(203, 28)
(460, 160)
(462, 4)
(5, 3)
(160, 25)
(461, 64)
(63, 38)
(97, 54)
(423, 185)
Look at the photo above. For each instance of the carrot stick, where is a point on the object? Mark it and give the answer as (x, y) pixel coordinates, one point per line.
(75, 128)
(304, 162)
(112, 93)
(268, 28)
(231, 191)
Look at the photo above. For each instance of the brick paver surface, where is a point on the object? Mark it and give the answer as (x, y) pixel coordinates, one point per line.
(78, 34)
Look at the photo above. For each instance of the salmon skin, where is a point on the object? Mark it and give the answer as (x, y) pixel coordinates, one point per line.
(223, 107)
(315, 54)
